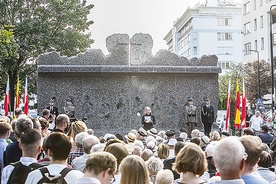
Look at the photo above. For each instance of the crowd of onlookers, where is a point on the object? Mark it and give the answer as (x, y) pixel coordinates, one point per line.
(35, 151)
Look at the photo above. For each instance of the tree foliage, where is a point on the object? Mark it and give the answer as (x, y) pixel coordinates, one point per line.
(41, 26)
(251, 79)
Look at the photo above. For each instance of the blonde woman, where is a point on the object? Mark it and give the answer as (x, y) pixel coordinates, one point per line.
(134, 171)
(163, 151)
(191, 163)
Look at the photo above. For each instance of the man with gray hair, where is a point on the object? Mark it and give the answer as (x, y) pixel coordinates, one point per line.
(229, 157)
(87, 143)
(79, 152)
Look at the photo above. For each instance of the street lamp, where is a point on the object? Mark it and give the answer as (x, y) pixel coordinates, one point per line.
(271, 58)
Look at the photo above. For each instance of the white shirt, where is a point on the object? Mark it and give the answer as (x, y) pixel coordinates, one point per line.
(88, 180)
(256, 122)
(79, 162)
(9, 168)
(54, 169)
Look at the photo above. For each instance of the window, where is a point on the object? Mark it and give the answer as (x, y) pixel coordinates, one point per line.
(262, 21)
(261, 2)
(224, 36)
(225, 64)
(195, 50)
(246, 8)
(256, 44)
(224, 21)
(247, 47)
(246, 28)
(254, 4)
(255, 24)
(225, 50)
(262, 43)
(194, 36)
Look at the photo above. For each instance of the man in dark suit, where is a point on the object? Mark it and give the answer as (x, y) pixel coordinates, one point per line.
(53, 109)
(265, 136)
(207, 116)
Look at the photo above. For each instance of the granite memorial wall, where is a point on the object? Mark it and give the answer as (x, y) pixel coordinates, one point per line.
(112, 91)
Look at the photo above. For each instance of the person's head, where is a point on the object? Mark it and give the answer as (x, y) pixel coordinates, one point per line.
(164, 177)
(101, 165)
(207, 101)
(195, 133)
(88, 142)
(191, 159)
(52, 102)
(5, 129)
(22, 125)
(257, 113)
(146, 154)
(163, 151)
(79, 137)
(265, 160)
(195, 140)
(190, 101)
(229, 155)
(154, 165)
(253, 147)
(30, 143)
(44, 126)
(62, 122)
(247, 131)
(177, 147)
(77, 127)
(215, 136)
(118, 150)
(136, 150)
(58, 146)
(209, 150)
(90, 131)
(17, 112)
(264, 129)
(147, 110)
(46, 113)
(134, 171)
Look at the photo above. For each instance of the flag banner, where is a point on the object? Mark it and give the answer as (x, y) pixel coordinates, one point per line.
(26, 99)
(17, 97)
(243, 106)
(237, 107)
(228, 108)
(7, 98)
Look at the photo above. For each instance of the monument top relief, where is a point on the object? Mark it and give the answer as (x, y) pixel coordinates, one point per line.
(135, 51)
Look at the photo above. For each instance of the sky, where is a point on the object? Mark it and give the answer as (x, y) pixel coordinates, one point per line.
(154, 17)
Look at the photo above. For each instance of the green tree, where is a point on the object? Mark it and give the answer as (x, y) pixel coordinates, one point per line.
(251, 79)
(42, 26)
(8, 52)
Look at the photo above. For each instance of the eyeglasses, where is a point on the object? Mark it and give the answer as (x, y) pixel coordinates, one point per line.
(245, 156)
(112, 180)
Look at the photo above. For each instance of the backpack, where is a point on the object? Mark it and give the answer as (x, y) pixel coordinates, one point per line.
(57, 179)
(20, 172)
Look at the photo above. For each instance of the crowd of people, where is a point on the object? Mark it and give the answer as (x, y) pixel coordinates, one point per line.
(34, 151)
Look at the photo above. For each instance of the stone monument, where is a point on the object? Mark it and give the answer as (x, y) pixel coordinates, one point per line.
(112, 91)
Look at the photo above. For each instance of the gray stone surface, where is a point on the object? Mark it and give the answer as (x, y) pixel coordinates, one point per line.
(140, 49)
(111, 90)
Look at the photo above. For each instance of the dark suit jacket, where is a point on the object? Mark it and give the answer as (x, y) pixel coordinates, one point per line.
(266, 138)
(54, 111)
(207, 114)
(168, 165)
(12, 153)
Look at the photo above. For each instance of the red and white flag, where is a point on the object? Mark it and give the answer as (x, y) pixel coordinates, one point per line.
(243, 106)
(7, 98)
(228, 108)
(26, 99)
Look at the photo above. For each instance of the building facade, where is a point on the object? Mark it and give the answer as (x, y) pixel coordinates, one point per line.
(212, 27)
(256, 29)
